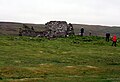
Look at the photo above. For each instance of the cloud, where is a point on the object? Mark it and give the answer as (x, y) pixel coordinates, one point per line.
(104, 12)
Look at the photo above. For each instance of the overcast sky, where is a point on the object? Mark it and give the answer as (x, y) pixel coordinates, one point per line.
(102, 12)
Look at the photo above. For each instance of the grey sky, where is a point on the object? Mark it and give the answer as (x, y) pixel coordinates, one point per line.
(103, 12)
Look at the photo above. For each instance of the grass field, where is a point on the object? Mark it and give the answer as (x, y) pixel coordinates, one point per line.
(72, 59)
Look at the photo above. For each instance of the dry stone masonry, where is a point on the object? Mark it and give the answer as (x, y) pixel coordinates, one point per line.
(53, 29)
(59, 28)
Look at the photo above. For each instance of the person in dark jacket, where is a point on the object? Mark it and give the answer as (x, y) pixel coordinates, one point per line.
(82, 31)
(107, 36)
(114, 39)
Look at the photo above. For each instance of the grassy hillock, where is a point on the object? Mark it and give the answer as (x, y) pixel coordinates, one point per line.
(71, 59)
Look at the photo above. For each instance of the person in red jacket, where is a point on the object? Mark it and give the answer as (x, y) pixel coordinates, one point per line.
(114, 39)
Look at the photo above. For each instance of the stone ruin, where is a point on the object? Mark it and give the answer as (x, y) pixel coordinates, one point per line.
(59, 28)
(53, 29)
(27, 31)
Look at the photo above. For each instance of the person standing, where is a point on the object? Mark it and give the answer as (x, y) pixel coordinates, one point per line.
(107, 36)
(114, 39)
(82, 31)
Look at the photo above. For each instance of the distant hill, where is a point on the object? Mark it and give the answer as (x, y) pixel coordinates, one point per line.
(12, 28)
(97, 30)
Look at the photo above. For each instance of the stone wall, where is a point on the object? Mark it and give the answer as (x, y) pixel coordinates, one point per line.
(59, 28)
(53, 29)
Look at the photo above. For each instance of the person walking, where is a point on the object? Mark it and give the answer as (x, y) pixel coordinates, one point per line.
(114, 39)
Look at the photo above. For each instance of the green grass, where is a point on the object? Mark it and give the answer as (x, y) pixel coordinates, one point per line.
(71, 59)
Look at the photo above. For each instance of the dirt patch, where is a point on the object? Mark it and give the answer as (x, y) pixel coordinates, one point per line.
(92, 67)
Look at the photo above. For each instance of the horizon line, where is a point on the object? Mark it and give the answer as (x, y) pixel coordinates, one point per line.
(58, 20)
